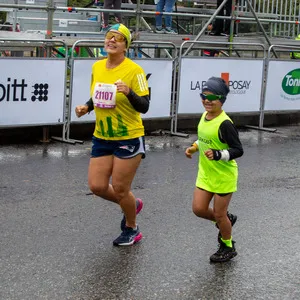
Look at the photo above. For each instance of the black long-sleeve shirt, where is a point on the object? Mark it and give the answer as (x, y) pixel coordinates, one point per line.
(229, 134)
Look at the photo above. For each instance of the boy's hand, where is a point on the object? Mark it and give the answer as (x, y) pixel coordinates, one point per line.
(190, 151)
(209, 154)
(213, 154)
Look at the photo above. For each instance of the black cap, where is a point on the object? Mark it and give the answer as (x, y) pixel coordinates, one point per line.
(217, 86)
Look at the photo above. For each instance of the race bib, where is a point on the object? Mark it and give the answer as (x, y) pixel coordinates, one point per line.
(104, 95)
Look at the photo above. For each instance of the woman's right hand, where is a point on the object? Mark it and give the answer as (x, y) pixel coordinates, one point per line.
(81, 110)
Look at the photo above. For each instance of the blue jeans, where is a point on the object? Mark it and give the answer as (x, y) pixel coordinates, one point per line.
(168, 5)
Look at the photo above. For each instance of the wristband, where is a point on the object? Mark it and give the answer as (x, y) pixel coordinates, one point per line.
(216, 154)
(195, 145)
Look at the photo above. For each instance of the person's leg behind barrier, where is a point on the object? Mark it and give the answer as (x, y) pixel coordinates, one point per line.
(108, 4)
(168, 19)
(228, 10)
(117, 5)
(158, 18)
(218, 27)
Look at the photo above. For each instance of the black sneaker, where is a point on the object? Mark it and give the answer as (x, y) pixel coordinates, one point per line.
(128, 237)
(215, 33)
(224, 253)
(227, 34)
(139, 206)
(232, 218)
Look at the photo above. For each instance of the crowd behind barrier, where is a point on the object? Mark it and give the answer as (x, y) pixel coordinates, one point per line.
(29, 97)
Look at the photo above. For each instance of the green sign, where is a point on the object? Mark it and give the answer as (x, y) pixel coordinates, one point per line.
(291, 82)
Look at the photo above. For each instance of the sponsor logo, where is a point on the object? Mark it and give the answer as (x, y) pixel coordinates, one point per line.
(235, 86)
(291, 83)
(40, 92)
(16, 89)
(129, 148)
(204, 140)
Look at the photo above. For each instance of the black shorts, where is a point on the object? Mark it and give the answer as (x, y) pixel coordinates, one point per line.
(121, 149)
(221, 195)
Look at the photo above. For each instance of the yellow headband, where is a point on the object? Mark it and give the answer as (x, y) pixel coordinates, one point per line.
(124, 31)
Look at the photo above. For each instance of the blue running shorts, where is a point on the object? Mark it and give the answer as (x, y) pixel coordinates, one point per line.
(121, 149)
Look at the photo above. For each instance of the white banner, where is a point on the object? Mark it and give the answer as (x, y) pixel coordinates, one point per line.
(159, 75)
(63, 23)
(283, 86)
(31, 91)
(244, 78)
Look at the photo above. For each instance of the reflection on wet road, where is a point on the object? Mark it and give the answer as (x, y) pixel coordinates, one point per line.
(56, 238)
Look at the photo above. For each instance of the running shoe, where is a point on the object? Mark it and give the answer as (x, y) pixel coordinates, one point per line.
(215, 33)
(128, 237)
(227, 34)
(139, 206)
(232, 218)
(224, 253)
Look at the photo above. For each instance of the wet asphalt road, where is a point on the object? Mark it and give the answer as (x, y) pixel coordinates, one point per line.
(56, 239)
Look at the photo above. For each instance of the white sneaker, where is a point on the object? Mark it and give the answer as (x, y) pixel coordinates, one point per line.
(170, 30)
(160, 30)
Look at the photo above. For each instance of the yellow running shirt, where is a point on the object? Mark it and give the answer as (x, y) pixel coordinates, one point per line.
(116, 119)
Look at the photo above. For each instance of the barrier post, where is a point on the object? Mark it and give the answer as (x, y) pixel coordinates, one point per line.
(50, 10)
(67, 107)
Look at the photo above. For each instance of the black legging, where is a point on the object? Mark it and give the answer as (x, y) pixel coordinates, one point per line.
(115, 4)
(226, 11)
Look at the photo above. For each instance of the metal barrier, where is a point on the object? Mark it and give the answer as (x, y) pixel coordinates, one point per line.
(243, 85)
(286, 14)
(280, 10)
(32, 97)
(32, 89)
(155, 69)
(282, 89)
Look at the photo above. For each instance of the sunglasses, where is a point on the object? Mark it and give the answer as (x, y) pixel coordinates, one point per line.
(210, 97)
(118, 37)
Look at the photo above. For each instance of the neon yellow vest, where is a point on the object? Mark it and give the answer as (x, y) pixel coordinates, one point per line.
(220, 176)
(296, 55)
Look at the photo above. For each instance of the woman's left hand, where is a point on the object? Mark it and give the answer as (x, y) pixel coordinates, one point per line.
(122, 87)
